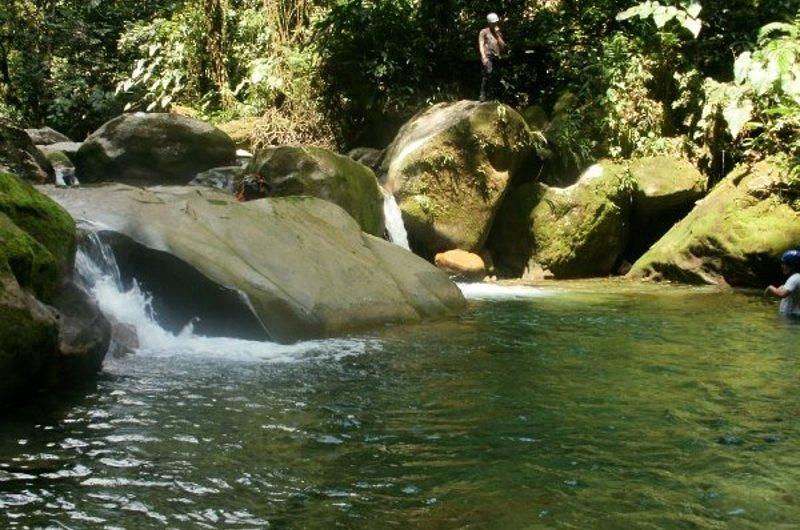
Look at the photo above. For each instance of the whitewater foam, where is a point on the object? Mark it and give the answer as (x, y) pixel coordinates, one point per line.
(97, 271)
(394, 221)
(493, 291)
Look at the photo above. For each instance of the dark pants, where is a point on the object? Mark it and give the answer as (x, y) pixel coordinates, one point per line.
(490, 79)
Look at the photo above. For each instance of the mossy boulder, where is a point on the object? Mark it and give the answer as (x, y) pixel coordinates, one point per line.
(735, 235)
(28, 333)
(285, 268)
(153, 148)
(449, 169)
(62, 154)
(49, 328)
(574, 232)
(317, 172)
(665, 191)
(20, 156)
(47, 224)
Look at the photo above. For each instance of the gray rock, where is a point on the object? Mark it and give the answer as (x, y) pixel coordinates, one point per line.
(84, 334)
(303, 265)
(46, 136)
(153, 148)
(18, 155)
(222, 178)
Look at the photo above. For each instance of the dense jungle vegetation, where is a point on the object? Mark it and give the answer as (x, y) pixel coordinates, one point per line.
(718, 80)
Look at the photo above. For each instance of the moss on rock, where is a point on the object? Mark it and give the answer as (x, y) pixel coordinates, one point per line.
(450, 167)
(734, 236)
(574, 232)
(40, 217)
(318, 172)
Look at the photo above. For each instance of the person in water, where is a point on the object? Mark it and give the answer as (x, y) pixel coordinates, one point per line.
(789, 292)
(491, 45)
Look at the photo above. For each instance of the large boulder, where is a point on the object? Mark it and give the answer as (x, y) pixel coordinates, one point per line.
(46, 323)
(665, 191)
(449, 168)
(735, 235)
(287, 268)
(20, 156)
(46, 136)
(153, 148)
(50, 234)
(317, 172)
(28, 333)
(574, 232)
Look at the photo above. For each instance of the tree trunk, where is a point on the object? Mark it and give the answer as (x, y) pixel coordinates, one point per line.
(215, 24)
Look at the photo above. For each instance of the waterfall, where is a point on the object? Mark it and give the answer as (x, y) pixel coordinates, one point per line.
(394, 221)
(97, 271)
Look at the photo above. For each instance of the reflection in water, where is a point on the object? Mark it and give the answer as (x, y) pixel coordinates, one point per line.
(636, 409)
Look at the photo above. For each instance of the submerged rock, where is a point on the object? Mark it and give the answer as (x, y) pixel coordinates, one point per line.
(153, 148)
(462, 264)
(46, 136)
(84, 334)
(316, 172)
(574, 232)
(18, 155)
(449, 168)
(734, 236)
(303, 264)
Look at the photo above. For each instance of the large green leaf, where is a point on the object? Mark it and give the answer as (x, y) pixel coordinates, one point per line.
(737, 114)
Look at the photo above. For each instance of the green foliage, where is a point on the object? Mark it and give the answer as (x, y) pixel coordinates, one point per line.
(760, 107)
(688, 15)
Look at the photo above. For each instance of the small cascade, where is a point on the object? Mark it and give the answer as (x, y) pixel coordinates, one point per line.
(65, 176)
(97, 271)
(394, 221)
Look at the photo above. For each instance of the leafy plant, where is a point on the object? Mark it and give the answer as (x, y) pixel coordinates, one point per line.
(687, 15)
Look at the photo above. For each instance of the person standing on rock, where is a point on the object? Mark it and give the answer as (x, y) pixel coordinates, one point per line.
(491, 45)
(789, 293)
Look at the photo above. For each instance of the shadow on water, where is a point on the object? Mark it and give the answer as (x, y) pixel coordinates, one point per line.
(596, 406)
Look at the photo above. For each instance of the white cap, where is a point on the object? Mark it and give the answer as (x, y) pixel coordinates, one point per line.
(492, 18)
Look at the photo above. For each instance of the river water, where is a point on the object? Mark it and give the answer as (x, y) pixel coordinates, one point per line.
(577, 406)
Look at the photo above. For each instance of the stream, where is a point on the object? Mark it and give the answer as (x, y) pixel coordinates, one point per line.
(577, 405)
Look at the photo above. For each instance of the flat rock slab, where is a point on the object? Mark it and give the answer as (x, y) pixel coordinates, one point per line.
(302, 264)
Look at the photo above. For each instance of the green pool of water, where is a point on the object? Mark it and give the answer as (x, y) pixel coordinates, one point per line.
(596, 406)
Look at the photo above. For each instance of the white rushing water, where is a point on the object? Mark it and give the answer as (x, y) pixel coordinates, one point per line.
(493, 291)
(98, 272)
(394, 221)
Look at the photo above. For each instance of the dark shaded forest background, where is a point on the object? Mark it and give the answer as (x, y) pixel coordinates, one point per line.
(347, 73)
